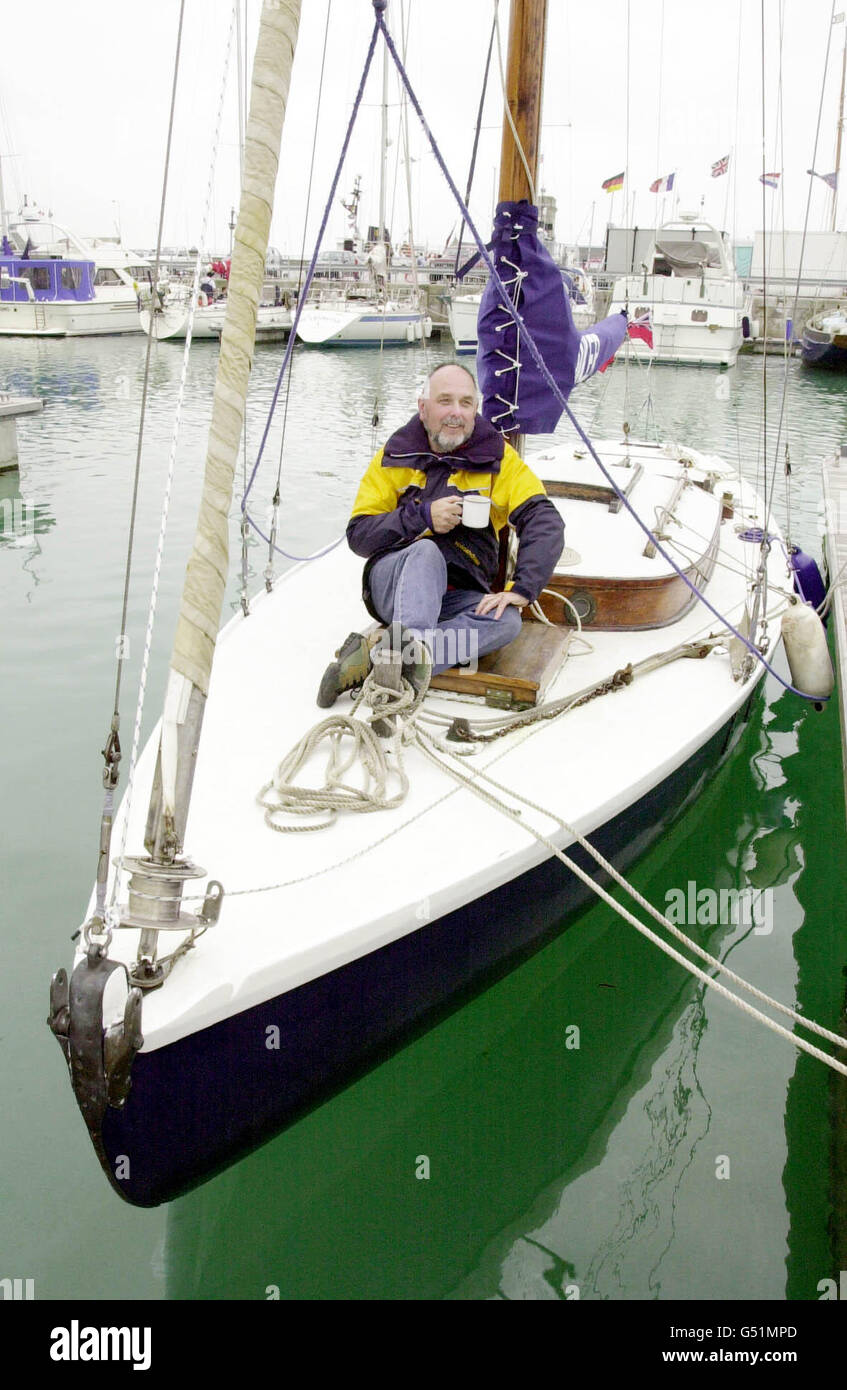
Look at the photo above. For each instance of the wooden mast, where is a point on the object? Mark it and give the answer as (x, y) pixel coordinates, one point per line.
(524, 91)
(524, 87)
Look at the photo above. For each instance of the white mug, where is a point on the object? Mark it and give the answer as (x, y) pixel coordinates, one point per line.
(475, 509)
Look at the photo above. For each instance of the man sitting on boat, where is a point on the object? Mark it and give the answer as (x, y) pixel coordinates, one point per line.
(430, 575)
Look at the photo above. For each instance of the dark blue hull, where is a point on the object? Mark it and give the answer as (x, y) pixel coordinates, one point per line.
(203, 1102)
(823, 350)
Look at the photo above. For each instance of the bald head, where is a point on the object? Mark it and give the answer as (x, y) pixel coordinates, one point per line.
(447, 407)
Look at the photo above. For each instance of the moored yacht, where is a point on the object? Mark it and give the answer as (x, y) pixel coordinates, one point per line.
(823, 342)
(54, 284)
(699, 308)
(357, 319)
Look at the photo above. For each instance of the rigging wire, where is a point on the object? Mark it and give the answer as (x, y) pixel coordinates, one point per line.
(154, 593)
(627, 354)
(146, 379)
(404, 127)
(303, 241)
(112, 750)
(301, 299)
(795, 304)
(479, 114)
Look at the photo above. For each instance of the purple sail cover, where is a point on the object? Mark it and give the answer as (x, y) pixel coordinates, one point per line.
(543, 303)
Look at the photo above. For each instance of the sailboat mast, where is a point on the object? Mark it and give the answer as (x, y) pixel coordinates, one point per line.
(524, 86)
(839, 133)
(383, 153)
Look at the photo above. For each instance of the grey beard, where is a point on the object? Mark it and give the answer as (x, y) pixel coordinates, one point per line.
(448, 446)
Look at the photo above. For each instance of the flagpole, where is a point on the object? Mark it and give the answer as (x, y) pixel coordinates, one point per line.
(726, 199)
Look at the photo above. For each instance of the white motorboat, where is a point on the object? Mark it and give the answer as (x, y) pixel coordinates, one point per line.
(699, 308)
(56, 285)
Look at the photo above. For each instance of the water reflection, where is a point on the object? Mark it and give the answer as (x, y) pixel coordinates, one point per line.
(22, 521)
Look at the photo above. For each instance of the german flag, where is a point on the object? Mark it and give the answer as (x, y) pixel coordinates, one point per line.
(613, 184)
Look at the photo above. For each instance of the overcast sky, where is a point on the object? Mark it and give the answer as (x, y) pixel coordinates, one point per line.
(84, 101)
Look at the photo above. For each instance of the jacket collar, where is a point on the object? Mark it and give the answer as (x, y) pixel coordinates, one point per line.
(483, 451)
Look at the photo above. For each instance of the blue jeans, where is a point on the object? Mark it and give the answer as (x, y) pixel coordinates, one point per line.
(410, 587)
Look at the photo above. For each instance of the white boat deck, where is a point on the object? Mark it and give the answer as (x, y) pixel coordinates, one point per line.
(372, 878)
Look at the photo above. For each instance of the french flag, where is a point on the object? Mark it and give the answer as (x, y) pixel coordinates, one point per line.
(641, 328)
(662, 185)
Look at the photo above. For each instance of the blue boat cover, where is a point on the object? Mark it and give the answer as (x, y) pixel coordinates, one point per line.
(516, 397)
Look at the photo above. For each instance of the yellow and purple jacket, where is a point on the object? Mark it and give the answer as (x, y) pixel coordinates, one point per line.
(392, 508)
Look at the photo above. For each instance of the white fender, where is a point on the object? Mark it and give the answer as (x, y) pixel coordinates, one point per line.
(805, 646)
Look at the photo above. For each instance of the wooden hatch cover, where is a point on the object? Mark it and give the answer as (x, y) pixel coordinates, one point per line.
(519, 673)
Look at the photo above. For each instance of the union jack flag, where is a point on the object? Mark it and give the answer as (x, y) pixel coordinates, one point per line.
(720, 166)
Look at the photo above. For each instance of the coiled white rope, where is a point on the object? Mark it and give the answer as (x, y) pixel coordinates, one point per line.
(281, 796)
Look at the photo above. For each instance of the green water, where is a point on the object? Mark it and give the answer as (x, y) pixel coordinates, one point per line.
(678, 1152)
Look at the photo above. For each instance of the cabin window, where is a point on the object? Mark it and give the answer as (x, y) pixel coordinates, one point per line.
(71, 277)
(38, 276)
(106, 276)
(699, 315)
(143, 274)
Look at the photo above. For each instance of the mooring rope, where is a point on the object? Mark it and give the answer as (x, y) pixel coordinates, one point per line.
(337, 796)
(645, 931)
